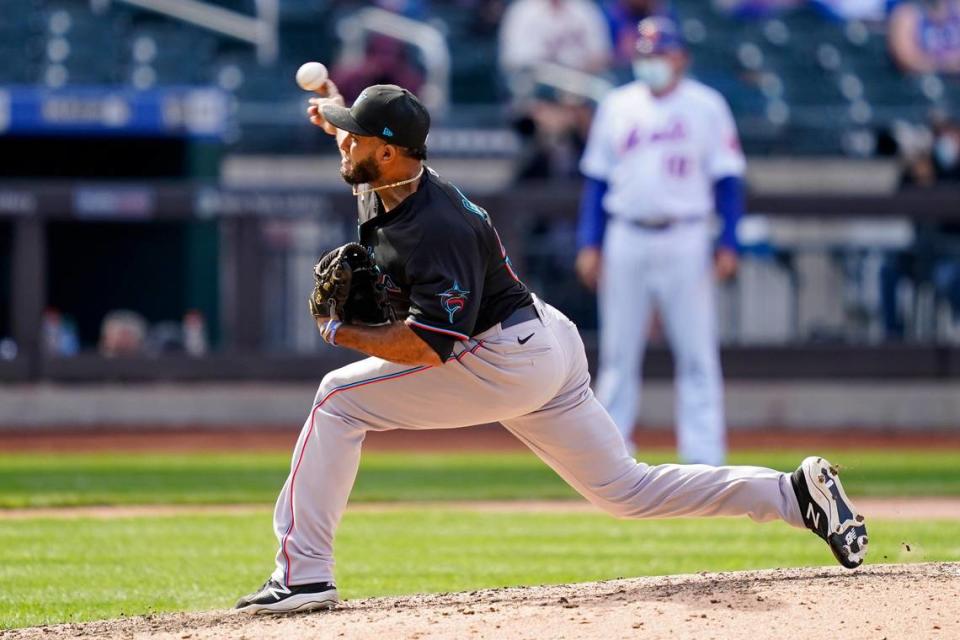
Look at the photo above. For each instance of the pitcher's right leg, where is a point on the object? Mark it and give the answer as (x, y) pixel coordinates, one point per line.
(575, 436)
(580, 442)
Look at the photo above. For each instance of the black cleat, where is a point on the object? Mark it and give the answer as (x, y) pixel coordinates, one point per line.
(274, 597)
(828, 512)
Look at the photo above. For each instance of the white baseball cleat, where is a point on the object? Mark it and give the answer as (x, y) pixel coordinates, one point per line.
(828, 512)
(274, 597)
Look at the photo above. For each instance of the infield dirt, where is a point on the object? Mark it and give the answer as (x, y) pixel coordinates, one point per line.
(878, 601)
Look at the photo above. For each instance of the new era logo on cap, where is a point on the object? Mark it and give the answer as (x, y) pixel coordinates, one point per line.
(387, 132)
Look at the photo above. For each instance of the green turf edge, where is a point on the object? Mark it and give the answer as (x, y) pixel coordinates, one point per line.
(32, 480)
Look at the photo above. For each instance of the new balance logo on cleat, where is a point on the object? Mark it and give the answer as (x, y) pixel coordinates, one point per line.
(274, 597)
(276, 590)
(828, 512)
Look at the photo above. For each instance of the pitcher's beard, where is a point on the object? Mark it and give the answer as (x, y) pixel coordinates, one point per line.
(364, 172)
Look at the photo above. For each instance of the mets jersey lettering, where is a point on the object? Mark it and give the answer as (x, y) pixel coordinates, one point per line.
(661, 156)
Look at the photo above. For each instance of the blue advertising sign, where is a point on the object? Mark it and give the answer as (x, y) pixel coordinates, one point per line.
(174, 111)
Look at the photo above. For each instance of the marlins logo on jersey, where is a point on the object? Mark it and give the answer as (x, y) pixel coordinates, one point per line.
(453, 300)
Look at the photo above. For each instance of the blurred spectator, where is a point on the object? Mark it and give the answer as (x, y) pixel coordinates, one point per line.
(930, 156)
(8, 349)
(622, 19)
(122, 333)
(924, 37)
(554, 133)
(50, 331)
(946, 150)
(386, 61)
(127, 333)
(911, 144)
(553, 124)
(571, 33)
(194, 333)
(59, 334)
(164, 337)
(931, 265)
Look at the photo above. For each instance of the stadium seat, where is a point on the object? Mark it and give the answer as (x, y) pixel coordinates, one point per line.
(781, 75)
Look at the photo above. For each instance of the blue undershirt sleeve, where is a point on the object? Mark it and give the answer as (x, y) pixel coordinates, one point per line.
(729, 202)
(593, 219)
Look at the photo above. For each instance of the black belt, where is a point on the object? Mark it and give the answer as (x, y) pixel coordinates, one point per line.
(523, 314)
(658, 225)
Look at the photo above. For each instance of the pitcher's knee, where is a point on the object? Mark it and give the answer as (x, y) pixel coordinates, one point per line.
(631, 507)
(327, 387)
(330, 398)
(623, 497)
(621, 509)
(616, 504)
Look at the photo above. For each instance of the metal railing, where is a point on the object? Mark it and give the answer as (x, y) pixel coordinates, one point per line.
(259, 30)
(571, 81)
(428, 40)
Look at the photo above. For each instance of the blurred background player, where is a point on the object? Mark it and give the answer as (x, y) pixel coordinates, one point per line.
(662, 155)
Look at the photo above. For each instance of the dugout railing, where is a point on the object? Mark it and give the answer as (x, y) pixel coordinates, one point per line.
(247, 282)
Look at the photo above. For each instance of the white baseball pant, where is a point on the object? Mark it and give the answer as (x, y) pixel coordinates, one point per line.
(540, 391)
(673, 270)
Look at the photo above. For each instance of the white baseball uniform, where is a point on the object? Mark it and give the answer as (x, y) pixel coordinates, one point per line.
(527, 370)
(660, 158)
(572, 33)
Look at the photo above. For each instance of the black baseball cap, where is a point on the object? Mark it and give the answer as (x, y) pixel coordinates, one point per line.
(386, 111)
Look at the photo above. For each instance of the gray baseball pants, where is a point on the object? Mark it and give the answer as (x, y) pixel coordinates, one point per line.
(540, 391)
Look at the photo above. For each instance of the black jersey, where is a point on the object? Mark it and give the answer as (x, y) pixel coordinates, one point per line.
(442, 262)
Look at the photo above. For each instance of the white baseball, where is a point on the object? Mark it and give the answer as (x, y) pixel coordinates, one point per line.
(311, 76)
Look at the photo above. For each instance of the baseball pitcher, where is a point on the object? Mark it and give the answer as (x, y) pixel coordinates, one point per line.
(661, 156)
(461, 341)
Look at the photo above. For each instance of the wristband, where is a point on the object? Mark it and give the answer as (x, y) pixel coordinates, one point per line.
(329, 332)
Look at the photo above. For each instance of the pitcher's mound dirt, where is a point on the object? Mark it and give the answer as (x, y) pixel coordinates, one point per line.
(879, 601)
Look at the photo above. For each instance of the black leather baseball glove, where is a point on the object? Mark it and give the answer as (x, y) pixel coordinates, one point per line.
(348, 289)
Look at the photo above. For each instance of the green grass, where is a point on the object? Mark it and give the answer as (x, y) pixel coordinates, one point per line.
(84, 569)
(32, 480)
(55, 570)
